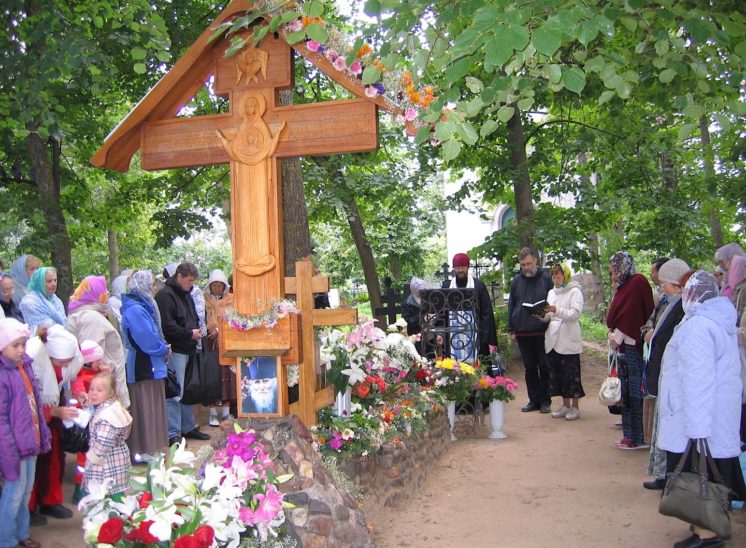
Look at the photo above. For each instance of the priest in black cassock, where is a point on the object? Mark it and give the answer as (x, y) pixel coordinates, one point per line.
(485, 320)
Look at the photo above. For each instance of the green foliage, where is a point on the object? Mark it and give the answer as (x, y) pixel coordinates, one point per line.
(593, 329)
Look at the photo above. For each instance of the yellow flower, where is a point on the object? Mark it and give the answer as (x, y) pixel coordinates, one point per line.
(468, 369)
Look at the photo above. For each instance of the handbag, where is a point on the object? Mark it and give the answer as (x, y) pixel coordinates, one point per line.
(202, 380)
(691, 497)
(173, 388)
(611, 387)
(75, 439)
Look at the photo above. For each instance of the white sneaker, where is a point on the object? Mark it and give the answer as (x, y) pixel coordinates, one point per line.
(214, 420)
(561, 412)
(572, 414)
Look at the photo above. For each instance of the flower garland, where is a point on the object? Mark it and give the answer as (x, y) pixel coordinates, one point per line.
(303, 22)
(267, 319)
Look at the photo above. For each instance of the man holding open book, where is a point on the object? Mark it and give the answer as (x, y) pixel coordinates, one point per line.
(528, 294)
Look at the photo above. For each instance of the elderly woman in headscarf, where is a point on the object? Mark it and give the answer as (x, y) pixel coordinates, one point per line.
(630, 308)
(56, 361)
(411, 312)
(21, 271)
(723, 257)
(87, 320)
(563, 342)
(218, 302)
(146, 366)
(41, 307)
(700, 389)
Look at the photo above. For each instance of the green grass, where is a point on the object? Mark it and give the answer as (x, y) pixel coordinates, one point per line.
(593, 329)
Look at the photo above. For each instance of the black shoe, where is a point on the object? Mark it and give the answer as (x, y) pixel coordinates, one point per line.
(36, 519)
(173, 440)
(56, 511)
(695, 542)
(530, 406)
(655, 485)
(196, 435)
(546, 407)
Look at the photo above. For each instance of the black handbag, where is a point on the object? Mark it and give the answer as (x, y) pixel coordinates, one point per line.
(75, 439)
(691, 497)
(173, 389)
(202, 380)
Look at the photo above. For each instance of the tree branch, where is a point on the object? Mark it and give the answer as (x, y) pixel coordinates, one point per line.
(563, 121)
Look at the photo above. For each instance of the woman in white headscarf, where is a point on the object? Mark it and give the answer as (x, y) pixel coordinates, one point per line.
(700, 388)
(57, 361)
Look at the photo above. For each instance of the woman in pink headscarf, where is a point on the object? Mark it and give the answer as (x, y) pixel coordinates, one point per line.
(87, 319)
(735, 289)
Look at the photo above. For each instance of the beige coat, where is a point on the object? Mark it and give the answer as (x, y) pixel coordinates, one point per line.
(216, 309)
(89, 322)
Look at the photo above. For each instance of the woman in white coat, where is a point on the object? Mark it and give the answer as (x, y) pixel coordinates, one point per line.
(700, 388)
(563, 343)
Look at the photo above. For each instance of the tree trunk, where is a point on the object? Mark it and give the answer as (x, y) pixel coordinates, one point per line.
(524, 206)
(716, 230)
(364, 250)
(47, 180)
(295, 230)
(395, 267)
(113, 254)
(668, 171)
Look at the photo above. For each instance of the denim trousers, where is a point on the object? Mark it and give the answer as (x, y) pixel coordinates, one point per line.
(180, 416)
(14, 513)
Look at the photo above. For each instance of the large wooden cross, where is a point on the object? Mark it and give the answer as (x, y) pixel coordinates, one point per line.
(252, 137)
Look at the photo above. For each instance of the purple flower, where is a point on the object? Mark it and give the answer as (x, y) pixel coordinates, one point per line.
(380, 88)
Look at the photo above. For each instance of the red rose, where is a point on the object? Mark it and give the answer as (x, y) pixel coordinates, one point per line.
(111, 531)
(142, 534)
(362, 390)
(204, 535)
(187, 541)
(143, 500)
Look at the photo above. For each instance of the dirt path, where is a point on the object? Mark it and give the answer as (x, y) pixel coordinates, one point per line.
(551, 483)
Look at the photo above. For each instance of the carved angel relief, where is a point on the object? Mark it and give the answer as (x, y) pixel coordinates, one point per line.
(250, 62)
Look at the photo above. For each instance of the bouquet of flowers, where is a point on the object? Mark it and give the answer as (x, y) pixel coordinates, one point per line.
(454, 379)
(349, 357)
(495, 388)
(180, 503)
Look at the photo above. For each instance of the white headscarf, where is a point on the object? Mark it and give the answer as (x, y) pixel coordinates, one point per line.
(62, 345)
(701, 286)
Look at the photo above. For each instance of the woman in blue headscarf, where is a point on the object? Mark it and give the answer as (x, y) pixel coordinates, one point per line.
(41, 307)
(21, 271)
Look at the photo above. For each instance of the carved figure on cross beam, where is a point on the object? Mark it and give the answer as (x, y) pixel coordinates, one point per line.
(250, 148)
(250, 62)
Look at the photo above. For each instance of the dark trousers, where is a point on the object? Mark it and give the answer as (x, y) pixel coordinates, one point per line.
(537, 372)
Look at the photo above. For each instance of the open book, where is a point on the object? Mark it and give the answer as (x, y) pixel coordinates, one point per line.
(537, 308)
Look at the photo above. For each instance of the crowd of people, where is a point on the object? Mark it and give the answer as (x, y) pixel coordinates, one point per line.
(680, 356)
(101, 363)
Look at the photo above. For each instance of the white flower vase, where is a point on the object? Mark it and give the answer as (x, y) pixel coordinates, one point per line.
(452, 417)
(343, 403)
(497, 418)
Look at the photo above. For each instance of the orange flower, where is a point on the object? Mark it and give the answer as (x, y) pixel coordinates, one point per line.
(379, 65)
(308, 20)
(365, 49)
(387, 416)
(406, 78)
(415, 97)
(484, 383)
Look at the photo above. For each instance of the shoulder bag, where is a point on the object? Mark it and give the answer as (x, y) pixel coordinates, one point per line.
(691, 497)
(611, 388)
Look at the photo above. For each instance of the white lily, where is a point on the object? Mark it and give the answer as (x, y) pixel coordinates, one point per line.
(182, 455)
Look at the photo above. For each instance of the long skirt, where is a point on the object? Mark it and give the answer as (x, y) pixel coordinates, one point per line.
(564, 375)
(149, 418)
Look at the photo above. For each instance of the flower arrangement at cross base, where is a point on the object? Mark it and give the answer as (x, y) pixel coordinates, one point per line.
(495, 389)
(182, 502)
(454, 379)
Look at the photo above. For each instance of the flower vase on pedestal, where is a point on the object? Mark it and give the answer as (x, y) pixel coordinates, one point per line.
(497, 418)
(452, 417)
(343, 403)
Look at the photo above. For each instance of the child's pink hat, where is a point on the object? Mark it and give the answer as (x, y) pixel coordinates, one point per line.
(91, 351)
(10, 330)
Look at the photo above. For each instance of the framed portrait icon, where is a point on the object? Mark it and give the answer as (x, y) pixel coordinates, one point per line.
(261, 387)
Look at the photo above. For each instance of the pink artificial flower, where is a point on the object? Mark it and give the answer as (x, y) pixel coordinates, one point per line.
(371, 91)
(312, 45)
(410, 114)
(295, 26)
(335, 443)
(270, 503)
(400, 119)
(339, 63)
(356, 67)
(331, 54)
(248, 516)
